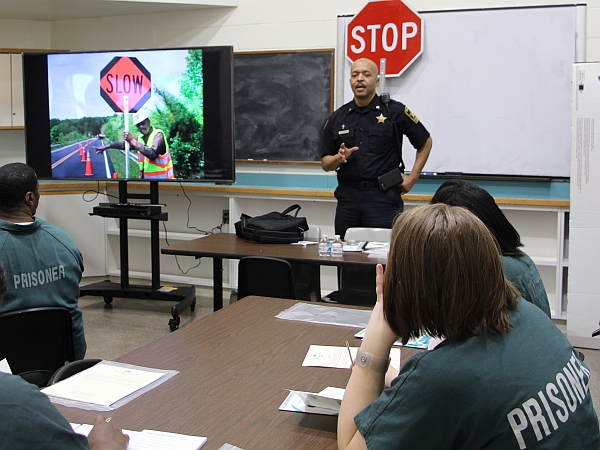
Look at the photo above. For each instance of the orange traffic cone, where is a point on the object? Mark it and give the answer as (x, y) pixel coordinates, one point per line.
(82, 153)
(88, 166)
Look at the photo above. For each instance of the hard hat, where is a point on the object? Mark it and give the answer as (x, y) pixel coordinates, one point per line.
(140, 116)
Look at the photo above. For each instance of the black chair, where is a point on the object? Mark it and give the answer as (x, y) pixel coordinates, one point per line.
(308, 276)
(267, 277)
(308, 281)
(356, 285)
(36, 342)
(71, 369)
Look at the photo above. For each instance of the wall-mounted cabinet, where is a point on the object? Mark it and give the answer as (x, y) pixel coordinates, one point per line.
(11, 91)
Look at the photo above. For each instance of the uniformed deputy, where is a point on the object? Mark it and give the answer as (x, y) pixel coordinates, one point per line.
(359, 142)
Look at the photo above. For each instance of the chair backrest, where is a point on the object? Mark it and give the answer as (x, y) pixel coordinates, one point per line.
(36, 342)
(368, 234)
(267, 277)
(72, 368)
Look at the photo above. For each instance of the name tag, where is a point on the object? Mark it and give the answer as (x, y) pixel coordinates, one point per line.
(343, 131)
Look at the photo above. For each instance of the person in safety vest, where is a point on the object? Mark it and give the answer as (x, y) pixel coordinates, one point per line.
(154, 157)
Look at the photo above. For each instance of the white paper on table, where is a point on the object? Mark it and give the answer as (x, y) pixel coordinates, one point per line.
(159, 440)
(4, 367)
(354, 247)
(333, 392)
(331, 315)
(373, 245)
(338, 357)
(308, 402)
(380, 255)
(304, 243)
(86, 429)
(329, 356)
(102, 384)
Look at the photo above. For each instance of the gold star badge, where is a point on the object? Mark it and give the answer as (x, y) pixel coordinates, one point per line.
(381, 118)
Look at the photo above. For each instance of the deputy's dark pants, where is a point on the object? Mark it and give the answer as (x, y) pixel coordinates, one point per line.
(371, 208)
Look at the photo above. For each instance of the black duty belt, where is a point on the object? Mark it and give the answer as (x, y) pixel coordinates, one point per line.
(362, 185)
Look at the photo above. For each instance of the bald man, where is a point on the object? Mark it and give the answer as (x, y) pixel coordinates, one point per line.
(362, 140)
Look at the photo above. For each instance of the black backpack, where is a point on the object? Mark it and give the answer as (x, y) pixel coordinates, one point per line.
(273, 228)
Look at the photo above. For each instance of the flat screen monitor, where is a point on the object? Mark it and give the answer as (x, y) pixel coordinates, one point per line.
(177, 105)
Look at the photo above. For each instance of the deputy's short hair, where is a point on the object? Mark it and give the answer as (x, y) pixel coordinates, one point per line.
(16, 180)
(444, 276)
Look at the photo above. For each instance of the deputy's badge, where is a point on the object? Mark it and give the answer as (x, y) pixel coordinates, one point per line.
(381, 118)
(411, 115)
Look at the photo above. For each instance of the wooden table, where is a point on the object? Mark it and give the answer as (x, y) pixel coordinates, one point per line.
(228, 246)
(235, 366)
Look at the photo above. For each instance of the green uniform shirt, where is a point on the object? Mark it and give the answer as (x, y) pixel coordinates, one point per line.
(43, 268)
(526, 389)
(29, 421)
(523, 274)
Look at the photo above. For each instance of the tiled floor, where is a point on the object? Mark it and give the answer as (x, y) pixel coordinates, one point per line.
(127, 324)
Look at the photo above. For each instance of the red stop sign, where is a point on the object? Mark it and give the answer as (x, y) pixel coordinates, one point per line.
(386, 29)
(125, 76)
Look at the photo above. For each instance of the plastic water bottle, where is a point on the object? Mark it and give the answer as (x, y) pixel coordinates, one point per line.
(324, 246)
(337, 250)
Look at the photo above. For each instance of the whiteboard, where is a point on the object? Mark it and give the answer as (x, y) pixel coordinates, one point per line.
(493, 87)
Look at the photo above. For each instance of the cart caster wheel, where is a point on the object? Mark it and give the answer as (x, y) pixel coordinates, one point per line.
(174, 324)
(108, 300)
(193, 306)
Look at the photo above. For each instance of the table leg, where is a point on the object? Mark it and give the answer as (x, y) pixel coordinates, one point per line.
(217, 283)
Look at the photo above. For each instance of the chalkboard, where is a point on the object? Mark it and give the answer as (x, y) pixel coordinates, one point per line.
(493, 87)
(282, 100)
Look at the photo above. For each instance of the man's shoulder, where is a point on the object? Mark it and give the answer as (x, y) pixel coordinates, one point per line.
(343, 110)
(49, 226)
(58, 233)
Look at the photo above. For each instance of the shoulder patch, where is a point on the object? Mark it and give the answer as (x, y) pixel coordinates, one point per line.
(411, 115)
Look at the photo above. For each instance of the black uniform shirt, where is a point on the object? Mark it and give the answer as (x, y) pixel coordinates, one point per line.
(370, 129)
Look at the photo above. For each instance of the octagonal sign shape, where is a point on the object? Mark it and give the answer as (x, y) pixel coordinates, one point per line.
(387, 29)
(124, 76)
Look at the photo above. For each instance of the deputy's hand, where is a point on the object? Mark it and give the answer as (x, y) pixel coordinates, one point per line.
(345, 152)
(100, 150)
(105, 436)
(408, 181)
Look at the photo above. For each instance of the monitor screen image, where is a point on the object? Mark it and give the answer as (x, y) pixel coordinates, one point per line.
(163, 114)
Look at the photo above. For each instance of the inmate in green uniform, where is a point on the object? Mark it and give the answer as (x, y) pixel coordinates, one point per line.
(523, 274)
(524, 390)
(29, 421)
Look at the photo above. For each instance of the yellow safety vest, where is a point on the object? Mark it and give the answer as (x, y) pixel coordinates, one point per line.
(162, 167)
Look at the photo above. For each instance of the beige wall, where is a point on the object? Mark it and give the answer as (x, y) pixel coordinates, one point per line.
(252, 25)
(258, 25)
(25, 34)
